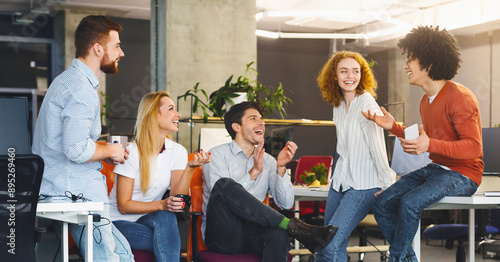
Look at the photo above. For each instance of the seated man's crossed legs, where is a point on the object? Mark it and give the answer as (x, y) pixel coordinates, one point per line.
(239, 223)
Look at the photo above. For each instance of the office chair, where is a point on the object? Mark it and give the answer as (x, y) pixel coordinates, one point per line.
(361, 228)
(20, 178)
(460, 233)
(197, 251)
(139, 254)
(310, 210)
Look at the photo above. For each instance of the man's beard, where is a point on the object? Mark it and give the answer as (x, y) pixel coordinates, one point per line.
(108, 66)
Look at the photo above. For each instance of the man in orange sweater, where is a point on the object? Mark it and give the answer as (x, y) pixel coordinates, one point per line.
(451, 133)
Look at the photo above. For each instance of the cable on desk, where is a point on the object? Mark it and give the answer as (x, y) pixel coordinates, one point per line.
(67, 194)
(73, 197)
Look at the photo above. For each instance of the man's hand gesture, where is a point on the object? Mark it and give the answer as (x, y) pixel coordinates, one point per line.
(417, 146)
(285, 156)
(258, 161)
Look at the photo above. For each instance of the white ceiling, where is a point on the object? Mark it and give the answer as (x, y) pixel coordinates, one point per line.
(336, 15)
(376, 22)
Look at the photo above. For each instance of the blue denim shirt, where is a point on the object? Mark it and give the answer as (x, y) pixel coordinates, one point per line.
(66, 130)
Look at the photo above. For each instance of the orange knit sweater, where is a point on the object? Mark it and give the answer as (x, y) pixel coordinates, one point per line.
(453, 123)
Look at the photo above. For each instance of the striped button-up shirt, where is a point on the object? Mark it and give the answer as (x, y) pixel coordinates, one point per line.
(362, 162)
(67, 127)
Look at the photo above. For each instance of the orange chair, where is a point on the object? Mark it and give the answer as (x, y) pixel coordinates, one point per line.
(197, 251)
(139, 255)
(312, 208)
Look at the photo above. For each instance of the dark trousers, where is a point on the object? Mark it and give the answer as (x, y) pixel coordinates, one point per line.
(238, 223)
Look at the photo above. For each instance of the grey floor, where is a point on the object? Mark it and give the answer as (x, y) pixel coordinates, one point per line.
(433, 252)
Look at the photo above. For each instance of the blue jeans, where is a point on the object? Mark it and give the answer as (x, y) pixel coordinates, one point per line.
(398, 209)
(109, 244)
(156, 232)
(238, 223)
(344, 210)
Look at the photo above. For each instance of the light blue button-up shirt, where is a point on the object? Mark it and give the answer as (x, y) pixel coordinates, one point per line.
(229, 160)
(66, 130)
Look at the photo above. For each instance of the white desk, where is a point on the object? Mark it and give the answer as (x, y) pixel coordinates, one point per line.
(71, 212)
(303, 193)
(471, 203)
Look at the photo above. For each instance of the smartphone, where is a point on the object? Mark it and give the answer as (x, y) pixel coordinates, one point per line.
(411, 132)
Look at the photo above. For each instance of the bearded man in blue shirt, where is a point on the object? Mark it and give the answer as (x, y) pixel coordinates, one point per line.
(68, 126)
(235, 183)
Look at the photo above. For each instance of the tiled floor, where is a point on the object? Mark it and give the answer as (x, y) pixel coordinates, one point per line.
(432, 253)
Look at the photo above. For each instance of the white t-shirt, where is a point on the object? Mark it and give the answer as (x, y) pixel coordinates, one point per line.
(174, 157)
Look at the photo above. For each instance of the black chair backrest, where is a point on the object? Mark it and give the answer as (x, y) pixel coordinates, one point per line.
(20, 178)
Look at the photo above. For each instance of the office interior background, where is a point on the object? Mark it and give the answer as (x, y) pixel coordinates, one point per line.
(171, 45)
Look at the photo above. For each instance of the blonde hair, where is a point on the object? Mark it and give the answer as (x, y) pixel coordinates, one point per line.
(146, 134)
(329, 86)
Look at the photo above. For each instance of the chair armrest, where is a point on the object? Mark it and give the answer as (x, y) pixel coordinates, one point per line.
(194, 234)
(197, 214)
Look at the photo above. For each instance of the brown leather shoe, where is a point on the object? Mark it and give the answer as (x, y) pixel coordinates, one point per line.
(312, 237)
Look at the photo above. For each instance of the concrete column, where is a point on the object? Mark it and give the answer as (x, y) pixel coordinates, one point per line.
(71, 21)
(399, 89)
(158, 45)
(207, 41)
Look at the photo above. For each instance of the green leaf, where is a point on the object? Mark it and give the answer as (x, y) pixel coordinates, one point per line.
(195, 105)
(204, 93)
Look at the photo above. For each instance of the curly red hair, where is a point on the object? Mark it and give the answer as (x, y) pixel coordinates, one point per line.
(327, 79)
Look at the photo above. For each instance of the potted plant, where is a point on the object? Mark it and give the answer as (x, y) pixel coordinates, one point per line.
(218, 102)
(317, 176)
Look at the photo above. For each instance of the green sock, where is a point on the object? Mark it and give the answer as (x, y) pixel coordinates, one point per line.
(284, 223)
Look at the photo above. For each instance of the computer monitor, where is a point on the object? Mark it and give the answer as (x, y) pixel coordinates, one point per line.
(14, 120)
(278, 138)
(403, 163)
(491, 150)
(35, 99)
(212, 137)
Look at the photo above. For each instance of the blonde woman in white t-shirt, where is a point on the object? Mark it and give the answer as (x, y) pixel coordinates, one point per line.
(155, 165)
(362, 170)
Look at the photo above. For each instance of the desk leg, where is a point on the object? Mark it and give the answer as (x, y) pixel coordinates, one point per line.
(472, 233)
(64, 242)
(89, 252)
(416, 242)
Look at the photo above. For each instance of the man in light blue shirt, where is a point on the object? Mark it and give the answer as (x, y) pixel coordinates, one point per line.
(235, 183)
(68, 126)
